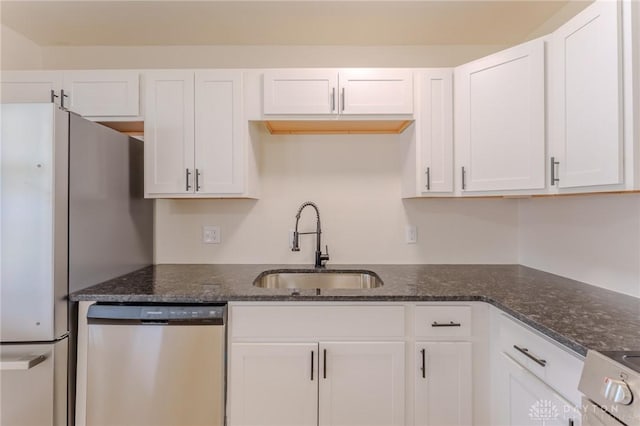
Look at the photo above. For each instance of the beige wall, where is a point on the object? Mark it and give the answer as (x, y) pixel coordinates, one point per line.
(355, 180)
(18, 52)
(593, 238)
(260, 56)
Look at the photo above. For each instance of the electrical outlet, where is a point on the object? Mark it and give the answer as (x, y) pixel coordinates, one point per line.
(211, 235)
(411, 234)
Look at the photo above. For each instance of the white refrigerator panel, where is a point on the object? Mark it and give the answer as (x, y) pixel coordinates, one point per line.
(33, 222)
(33, 384)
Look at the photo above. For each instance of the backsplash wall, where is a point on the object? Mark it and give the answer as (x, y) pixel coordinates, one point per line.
(355, 180)
(591, 238)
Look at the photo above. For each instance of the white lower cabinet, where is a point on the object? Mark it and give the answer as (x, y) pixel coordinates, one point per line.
(529, 401)
(274, 384)
(361, 383)
(443, 385)
(330, 383)
(535, 380)
(316, 364)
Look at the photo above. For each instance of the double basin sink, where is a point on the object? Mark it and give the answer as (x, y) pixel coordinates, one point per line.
(318, 279)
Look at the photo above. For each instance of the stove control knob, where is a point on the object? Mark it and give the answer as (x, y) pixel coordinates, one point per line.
(617, 391)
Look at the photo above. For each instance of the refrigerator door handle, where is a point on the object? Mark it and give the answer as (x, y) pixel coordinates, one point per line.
(24, 362)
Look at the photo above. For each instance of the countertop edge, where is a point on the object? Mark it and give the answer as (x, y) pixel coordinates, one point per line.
(555, 336)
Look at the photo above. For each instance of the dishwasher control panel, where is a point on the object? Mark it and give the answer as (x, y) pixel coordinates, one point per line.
(156, 313)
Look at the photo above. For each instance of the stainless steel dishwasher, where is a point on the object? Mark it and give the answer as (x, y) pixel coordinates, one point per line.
(155, 365)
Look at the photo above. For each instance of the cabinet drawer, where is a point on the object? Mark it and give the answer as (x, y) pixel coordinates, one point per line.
(443, 321)
(557, 367)
(280, 321)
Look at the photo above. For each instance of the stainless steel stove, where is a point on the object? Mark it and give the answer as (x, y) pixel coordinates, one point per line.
(610, 384)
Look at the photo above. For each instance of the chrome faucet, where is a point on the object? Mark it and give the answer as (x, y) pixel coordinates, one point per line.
(321, 258)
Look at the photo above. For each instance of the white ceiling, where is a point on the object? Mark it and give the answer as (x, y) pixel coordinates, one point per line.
(293, 22)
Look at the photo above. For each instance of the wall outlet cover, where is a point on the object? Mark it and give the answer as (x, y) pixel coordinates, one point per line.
(211, 235)
(411, 234)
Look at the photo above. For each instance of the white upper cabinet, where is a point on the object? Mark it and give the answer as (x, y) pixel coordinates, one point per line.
(219, 133)
(500, 120)
(169, 133)
(300, 92)
(436, 131)
(586, 99)
(31, 86)
(428, 157)
(103, 93)
(366, 91)
(196, 144)
(331, 92)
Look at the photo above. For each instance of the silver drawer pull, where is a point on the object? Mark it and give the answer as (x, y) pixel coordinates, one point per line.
(449, 324)
(21, 362)
(526, 353)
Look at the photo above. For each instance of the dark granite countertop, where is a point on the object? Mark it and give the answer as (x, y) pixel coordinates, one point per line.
(578, 315)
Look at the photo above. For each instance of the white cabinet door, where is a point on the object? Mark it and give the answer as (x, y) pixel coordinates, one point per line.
(443, 384)
(436, 134)
(31, 86)
(500, 120)
(361, 383)
(527, 401)
(273, 384)
(376, 92)
(169, 133)
(291, 92)
(586, 111)
(218, 132)
(103, 93)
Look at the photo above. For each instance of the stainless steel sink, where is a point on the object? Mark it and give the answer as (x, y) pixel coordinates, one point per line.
(323, 280)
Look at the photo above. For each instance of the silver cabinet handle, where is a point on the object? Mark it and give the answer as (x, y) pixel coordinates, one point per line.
(53, 96)
(333, 99)
(188, 187)
(343, 98)
(62, 96)
(428, 173)
(197, 180)
(526, 353)
(312, 366)
(554, 178)
(423, 353)
(464, 176)
(21, 363)
(449, 324)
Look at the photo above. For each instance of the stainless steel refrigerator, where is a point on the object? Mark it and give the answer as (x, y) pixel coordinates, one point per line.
(72, 214)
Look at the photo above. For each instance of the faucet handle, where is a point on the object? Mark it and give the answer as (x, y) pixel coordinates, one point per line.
(324, 257)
